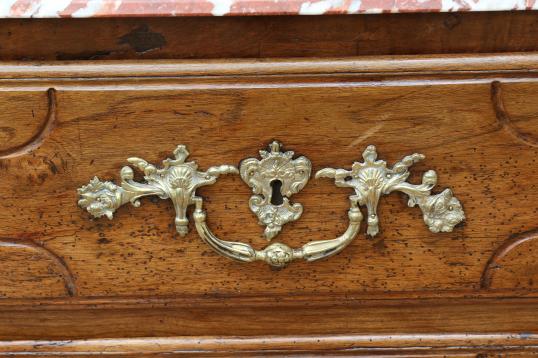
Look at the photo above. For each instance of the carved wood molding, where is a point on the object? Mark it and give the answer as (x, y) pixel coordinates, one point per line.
(494, 262)
(57, 261)
(504, 118)
(40, 135)
(374, 65)
(357, 345)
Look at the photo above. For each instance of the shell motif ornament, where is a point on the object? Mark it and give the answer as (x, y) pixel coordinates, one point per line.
(372, 178)
(177, 180)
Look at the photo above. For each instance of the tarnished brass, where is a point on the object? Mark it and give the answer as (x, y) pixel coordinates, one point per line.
(178, 180)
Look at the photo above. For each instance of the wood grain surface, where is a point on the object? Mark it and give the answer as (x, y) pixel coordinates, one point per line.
(133, 276)
(267, 36)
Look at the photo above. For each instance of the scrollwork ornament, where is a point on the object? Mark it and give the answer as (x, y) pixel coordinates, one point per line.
(275, 167)
(372, 178)
(177, 180)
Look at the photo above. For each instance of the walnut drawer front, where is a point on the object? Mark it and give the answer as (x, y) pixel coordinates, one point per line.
(472, 117)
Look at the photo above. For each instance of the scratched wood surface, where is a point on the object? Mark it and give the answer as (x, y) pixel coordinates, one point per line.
(267, 36)
(134, 276)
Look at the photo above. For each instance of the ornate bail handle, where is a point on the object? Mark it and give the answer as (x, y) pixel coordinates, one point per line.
(178, 180)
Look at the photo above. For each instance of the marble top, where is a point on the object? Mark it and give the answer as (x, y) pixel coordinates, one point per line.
(123, 8)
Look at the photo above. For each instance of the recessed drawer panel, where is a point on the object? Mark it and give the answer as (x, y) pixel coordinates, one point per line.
(475, 130)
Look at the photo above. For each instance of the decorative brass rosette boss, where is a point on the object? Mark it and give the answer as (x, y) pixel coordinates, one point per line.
(274, 179)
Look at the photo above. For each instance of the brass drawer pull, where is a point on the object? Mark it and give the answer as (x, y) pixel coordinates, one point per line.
(273, 179)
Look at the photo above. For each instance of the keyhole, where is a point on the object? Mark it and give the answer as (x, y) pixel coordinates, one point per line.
(276, 195)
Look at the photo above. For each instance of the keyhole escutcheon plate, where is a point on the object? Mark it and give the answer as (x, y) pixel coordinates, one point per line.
(274, 179)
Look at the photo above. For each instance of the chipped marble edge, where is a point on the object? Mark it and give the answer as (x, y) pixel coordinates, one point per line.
(132, 8)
